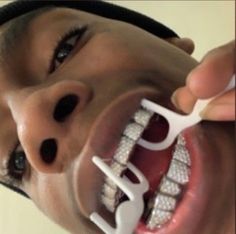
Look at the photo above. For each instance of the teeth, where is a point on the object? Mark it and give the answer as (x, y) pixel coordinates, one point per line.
(118, 169)
(164, 202)
(182, 154)
(124, 149)
(121, 156)
(169, 187)
(142, 117)
(178, 172)
(133, 131)
(109, 191)
(181, 140)
(109, 203)
(157, 218)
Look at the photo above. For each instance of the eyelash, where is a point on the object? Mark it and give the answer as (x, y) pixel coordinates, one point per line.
(14, 176)
(74, 32)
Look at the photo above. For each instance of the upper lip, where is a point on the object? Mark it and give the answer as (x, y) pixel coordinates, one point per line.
(102, 141)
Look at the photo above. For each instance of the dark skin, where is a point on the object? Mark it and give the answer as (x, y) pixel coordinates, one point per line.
(111, 60)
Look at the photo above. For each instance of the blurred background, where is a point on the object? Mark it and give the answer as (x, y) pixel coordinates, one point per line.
(208, 23)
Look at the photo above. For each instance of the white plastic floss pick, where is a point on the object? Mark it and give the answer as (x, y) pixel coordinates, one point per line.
(129, 212)
(177, 123)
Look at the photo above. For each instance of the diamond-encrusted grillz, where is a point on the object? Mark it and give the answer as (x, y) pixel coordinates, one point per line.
(110, 192)
(165, 201)
(158, 218)
(171, 186)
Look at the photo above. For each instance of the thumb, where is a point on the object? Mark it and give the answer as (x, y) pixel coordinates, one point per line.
(183, 99)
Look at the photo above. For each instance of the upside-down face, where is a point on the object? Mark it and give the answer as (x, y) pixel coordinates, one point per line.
(61, 104)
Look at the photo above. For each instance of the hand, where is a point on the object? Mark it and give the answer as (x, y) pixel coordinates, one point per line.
(209, 78)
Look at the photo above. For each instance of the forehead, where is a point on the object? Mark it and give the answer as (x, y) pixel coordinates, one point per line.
(14, 30)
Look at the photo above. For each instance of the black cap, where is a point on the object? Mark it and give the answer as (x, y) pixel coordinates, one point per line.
(105, 9)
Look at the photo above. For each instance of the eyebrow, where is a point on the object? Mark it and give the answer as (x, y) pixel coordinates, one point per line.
(16, 30)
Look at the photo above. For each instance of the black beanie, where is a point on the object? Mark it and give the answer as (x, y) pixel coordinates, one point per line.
(107, 10)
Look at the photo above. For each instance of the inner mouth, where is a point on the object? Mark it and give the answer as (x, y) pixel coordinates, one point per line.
(167, 171)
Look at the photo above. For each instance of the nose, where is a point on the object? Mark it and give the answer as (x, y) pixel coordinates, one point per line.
(44, 118)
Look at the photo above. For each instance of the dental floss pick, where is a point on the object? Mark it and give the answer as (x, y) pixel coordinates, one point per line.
(129, 212)
(177, 122)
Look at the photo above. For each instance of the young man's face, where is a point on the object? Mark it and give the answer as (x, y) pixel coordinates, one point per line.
(68, 106)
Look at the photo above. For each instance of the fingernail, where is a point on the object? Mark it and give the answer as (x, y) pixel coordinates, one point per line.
(174, 99)
(189, 76)
(222, 112)
(192, 73)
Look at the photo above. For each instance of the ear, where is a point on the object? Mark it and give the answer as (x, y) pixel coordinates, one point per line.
(185, 44)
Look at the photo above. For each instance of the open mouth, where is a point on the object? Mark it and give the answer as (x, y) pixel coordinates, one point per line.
(167, 171)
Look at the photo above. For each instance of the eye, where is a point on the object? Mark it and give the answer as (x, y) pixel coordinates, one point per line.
(65, 46)
(17, 164)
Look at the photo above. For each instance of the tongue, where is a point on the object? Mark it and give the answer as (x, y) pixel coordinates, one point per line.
(153, 164)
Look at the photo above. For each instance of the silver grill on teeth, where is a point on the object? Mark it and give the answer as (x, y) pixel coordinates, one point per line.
(178, 172)
(109, 203)
(124, 149)
(171, 184)
(110, 192)
(169, 187)
(142, 117)
(118, 170)
(164, 202)
(158, 218)
(133, 131)
(182, 155)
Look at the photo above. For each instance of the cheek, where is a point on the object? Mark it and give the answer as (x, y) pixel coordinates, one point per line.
(108, 52)
(51, 197)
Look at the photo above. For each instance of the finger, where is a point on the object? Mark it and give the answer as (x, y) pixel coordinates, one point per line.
(221, 112)
(214, 73)
(221, 108)
(226, 98)
(186, 44)
(183, 99)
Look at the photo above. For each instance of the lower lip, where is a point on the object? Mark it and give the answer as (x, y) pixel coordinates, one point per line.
(190, 209)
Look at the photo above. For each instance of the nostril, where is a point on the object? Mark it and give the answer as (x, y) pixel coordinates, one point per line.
(48, 150)
(65, 107)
